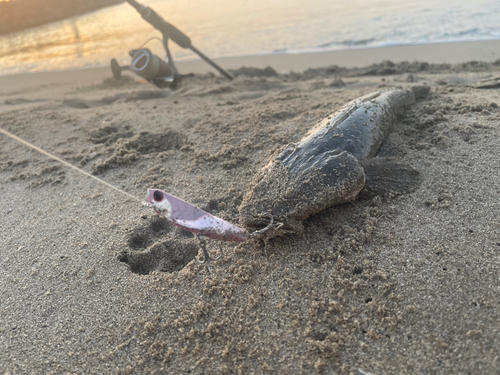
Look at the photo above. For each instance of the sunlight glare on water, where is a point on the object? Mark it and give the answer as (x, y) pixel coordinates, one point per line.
(226, 28)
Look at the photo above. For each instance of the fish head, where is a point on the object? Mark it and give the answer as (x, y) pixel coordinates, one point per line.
(160, 203)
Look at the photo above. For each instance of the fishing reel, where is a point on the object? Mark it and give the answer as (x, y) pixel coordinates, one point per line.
(161, 73)
(150, 67)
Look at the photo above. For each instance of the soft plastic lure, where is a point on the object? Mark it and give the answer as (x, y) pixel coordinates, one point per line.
(194, 219)
(197, 221)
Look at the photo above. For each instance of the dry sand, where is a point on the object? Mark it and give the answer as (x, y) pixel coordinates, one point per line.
(93, 282)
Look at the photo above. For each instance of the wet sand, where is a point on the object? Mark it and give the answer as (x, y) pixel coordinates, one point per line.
(93, 282)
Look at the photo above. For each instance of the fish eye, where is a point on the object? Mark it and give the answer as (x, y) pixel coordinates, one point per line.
(158, 195)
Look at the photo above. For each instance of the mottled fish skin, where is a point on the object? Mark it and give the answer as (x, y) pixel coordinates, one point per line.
(325, 168)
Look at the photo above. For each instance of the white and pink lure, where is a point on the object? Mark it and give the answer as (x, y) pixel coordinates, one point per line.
(194, 219)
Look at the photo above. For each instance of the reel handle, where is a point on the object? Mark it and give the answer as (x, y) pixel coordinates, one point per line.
(117, 69)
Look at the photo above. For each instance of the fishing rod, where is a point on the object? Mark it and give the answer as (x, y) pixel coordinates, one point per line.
(161, 73)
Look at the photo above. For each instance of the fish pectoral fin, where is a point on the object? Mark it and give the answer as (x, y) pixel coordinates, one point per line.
(386, 176)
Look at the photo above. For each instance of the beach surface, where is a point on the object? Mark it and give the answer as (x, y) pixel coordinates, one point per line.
(91, 281)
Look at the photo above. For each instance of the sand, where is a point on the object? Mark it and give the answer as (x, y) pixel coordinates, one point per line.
(91, 281)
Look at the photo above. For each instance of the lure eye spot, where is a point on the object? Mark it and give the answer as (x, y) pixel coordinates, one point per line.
(157, 195)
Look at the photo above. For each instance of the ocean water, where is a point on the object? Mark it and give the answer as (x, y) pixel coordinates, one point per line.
(224, 28)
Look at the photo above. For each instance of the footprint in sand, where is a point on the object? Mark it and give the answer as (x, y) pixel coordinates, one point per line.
(147, 253)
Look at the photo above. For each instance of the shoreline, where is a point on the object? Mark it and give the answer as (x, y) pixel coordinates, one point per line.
(433, 53)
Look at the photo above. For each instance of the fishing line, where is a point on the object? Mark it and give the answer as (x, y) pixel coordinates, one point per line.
(66, 163)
